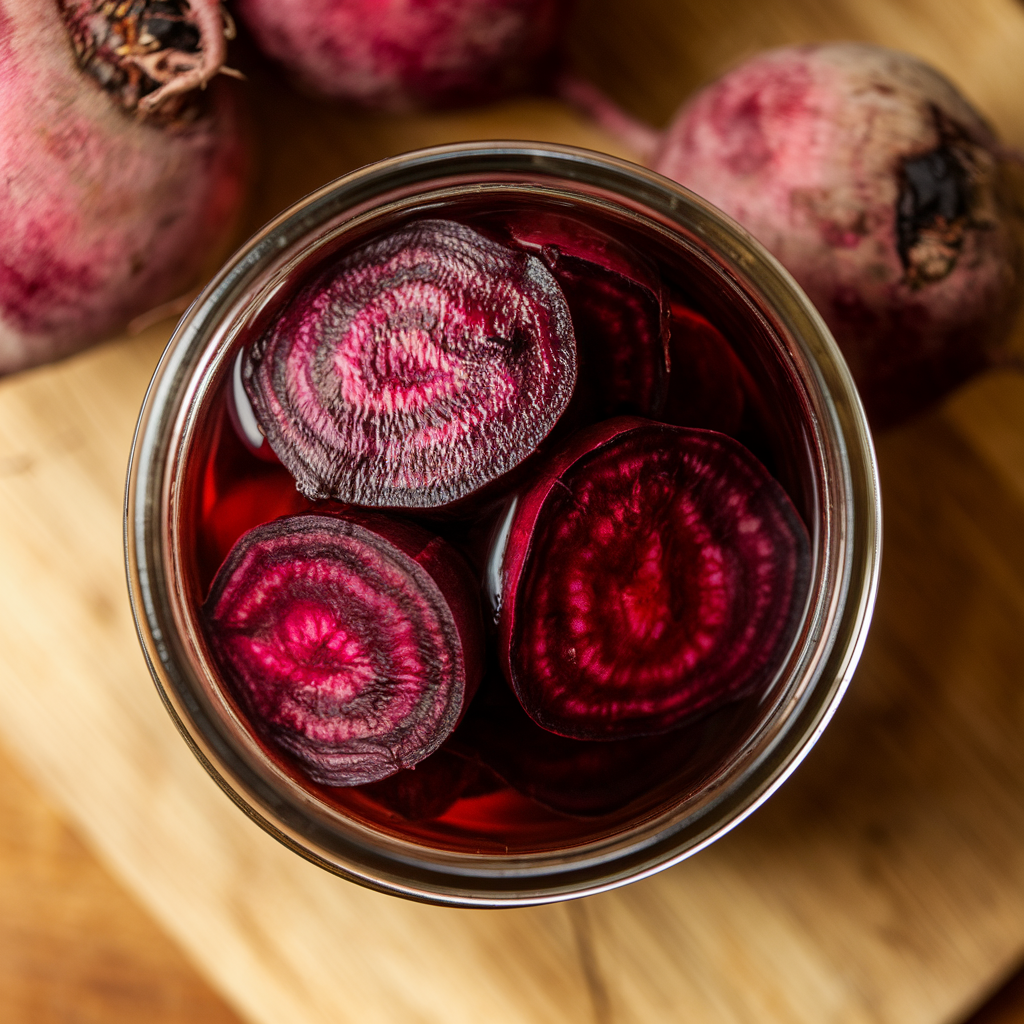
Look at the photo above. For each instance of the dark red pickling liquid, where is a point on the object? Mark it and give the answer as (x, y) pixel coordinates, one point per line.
(501, 783)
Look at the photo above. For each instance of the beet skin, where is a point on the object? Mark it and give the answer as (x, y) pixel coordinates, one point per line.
(882, 191)
(405, 54)
(103, 214)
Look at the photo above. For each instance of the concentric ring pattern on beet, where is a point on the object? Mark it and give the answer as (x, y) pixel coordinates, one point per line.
(417, 370)
(650, 573)
(530, 566)
(354, 655)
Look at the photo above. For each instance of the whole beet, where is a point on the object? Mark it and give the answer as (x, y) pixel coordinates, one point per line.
(882, 191)
(111, 198)
(407, 54)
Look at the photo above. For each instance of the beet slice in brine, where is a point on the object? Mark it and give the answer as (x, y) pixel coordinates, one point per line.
(708, 384)
(652, 572)
(580, 778)
(352, 645)
(241, 505)
(416, 370)
(243, 419)
(619, 314)
(431, 788)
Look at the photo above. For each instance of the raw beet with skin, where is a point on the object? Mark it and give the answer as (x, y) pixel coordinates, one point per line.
(882, 191)
(422, 367)
(103, 214)
(651, 572)
(406, 54)
(352, 645)
(619, 315)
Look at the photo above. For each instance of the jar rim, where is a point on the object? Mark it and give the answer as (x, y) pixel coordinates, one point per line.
(182, 379)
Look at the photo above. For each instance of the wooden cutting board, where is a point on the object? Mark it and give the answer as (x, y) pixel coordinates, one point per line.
(885, 882)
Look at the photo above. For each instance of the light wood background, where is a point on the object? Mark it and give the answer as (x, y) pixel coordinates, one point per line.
(884, 883)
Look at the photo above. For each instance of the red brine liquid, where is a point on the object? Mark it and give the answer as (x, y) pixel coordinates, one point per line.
(661, 344)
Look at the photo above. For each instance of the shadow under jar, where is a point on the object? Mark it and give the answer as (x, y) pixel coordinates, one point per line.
(529, 822)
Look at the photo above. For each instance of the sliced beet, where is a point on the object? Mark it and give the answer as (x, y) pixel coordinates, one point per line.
(430, 789)
(235, 493)
(416, 370)
(707, 386)
(538, 231)
(650, 573)
(354, 646)
(618, 309)
(581, 778)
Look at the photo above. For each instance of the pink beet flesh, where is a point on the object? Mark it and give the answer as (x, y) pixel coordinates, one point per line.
(878, 187)
(650, 573)
(102, 215)
(400, 54)
(421, 368)
(352, 645)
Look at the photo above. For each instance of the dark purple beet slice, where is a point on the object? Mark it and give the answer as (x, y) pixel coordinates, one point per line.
(706, 385)
(582, 778)
(352, 645)
(618, 311)
(430, 789)
(416, 370)
(539, 230)
(651, 572)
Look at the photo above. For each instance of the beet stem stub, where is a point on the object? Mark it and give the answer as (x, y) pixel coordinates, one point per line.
(420, 368)
(655, 572)
(352, 648)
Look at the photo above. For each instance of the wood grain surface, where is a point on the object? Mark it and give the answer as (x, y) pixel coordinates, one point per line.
(75, 947)
(885, 882)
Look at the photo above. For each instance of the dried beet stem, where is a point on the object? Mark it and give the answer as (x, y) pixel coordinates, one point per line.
(215, 27)
(146, 52)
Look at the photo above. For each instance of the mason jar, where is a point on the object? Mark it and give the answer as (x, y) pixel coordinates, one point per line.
(502, 848)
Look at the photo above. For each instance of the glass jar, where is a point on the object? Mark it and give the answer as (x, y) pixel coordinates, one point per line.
(815, 432)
